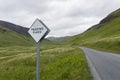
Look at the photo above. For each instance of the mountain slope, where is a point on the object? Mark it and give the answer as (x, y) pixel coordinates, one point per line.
(104, 36)
(14, 27)
(15, 35)
(10, 38)
(18, 59)
(58, 39)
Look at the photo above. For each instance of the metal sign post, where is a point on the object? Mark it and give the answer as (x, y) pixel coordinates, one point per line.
(38, 61)
(38, 31)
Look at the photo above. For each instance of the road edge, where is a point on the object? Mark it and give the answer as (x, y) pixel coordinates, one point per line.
(92, 68)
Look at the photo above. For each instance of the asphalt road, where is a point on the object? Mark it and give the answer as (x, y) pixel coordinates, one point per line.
(107, 65)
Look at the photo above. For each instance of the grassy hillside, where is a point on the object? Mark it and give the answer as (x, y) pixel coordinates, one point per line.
(103, 36)
(58, 39)
(11, 38)
(58, 62)
(14, 27)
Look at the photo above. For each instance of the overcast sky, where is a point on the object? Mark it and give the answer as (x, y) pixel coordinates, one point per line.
(63, 17)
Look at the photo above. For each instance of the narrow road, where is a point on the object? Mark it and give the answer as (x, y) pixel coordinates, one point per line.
(107, 65)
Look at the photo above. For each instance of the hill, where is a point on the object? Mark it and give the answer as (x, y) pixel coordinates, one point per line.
(18, 58)
(103, 36)
(14, 27)
(58, 39)
(11, 38)
(15, 35)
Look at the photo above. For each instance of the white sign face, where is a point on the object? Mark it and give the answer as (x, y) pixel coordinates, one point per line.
(37, 30)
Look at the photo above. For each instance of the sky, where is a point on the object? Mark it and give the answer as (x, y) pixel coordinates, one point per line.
(62, 17)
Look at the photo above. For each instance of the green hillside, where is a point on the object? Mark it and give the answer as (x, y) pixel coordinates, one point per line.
(103, 36)
(11, 38)
(18, 59)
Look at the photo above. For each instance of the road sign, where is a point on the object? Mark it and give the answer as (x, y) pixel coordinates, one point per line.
(38, 30)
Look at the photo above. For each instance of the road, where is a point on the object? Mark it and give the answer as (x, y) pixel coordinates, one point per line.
(107, 65)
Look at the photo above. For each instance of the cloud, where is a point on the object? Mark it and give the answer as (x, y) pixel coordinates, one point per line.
(63, 17)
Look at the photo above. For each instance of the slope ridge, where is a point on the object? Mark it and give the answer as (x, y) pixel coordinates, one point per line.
(103, 36)
(11, 38)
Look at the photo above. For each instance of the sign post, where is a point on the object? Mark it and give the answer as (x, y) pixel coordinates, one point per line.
(38, 31)
(38, 61)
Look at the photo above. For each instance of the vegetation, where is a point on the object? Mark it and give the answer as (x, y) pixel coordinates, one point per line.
(104, 36)
(11, 38)
(57, 63)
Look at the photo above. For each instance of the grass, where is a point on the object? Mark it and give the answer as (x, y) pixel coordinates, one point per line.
(10, 38)
(70, 64)
(57, 63)
(106, 38)
(17, 63)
